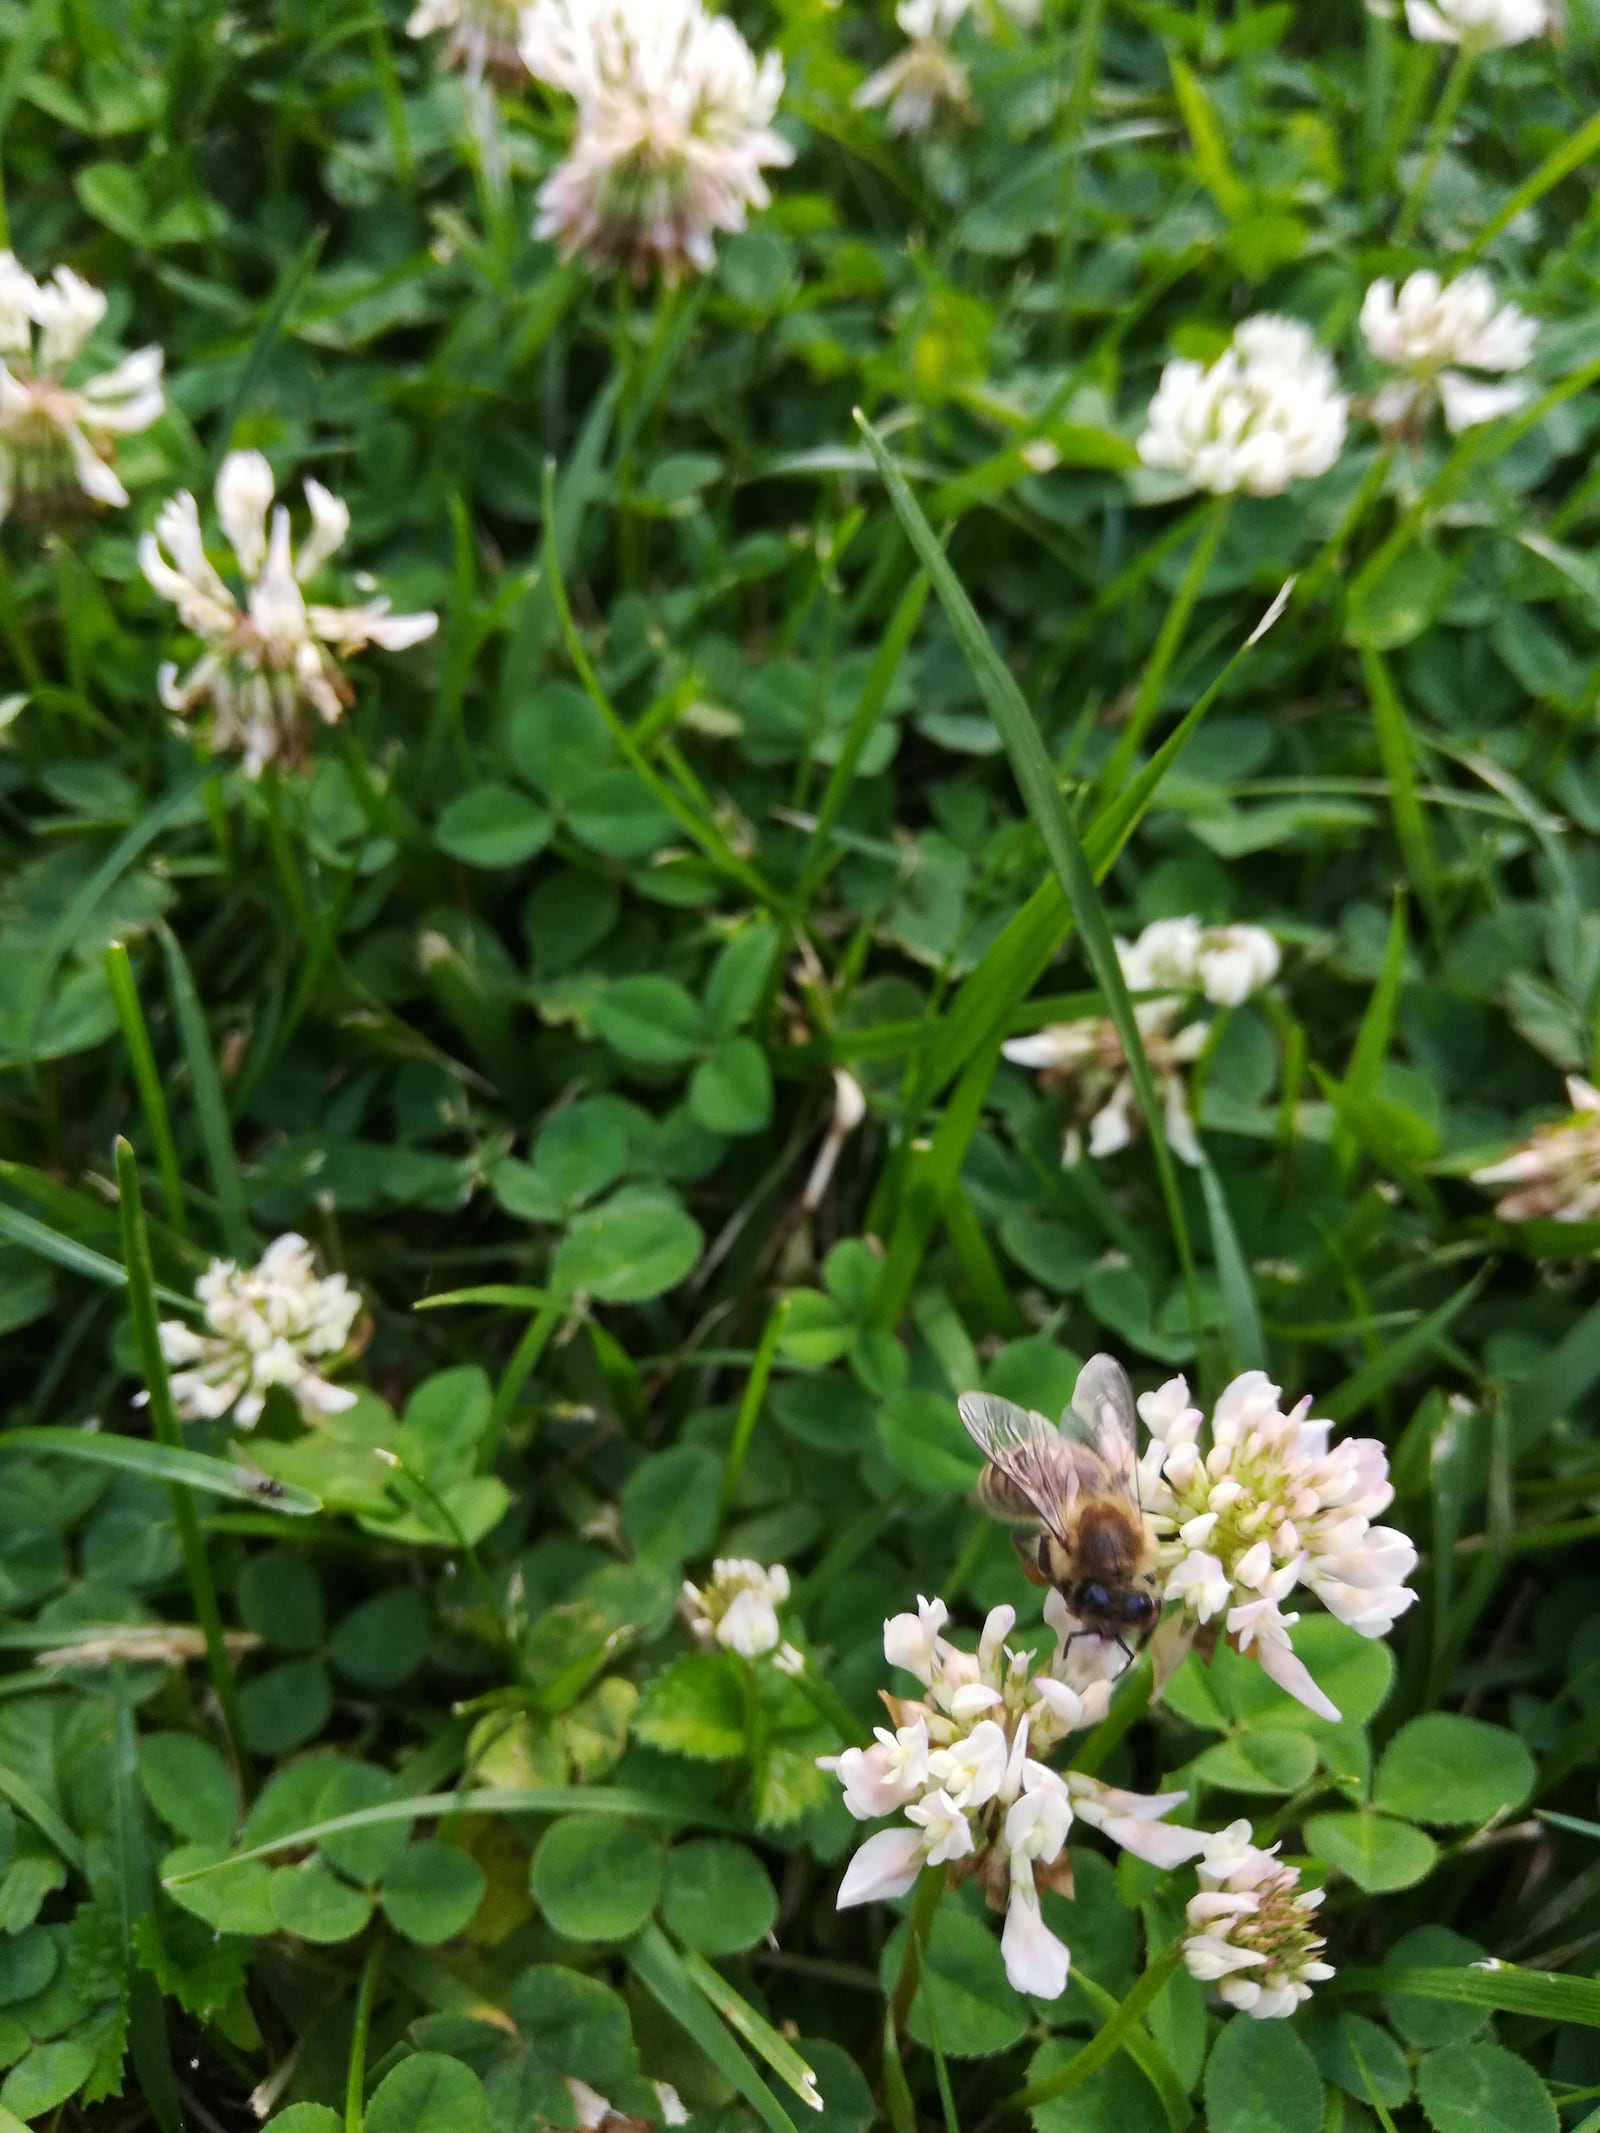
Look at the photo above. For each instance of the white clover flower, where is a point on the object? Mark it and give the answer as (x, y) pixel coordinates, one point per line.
(738, 1607)
(1252, 1928)
(1270, 1506)
(674, 128)
(962, 1770)
(924, 81)
(1432, 333)
(481, 36)
(1556, 1173)
(1479, 25)
(274, 656)
(58, 432)
(270, 1324)
(1267, 412)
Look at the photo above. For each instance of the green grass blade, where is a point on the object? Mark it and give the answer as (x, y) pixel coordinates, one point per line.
(1238, 1291)
(147, 1080)
(66, 1252)
(874, 695)
(1556, 1384)
(755, 1391)
(164, 1421)
(479, 1800)
(1572, 152)
(211, 1109)
(1147, 697)
(755, 2029)
(87, 901)
(35, 1808)
(1110, 2038)
(1371, 1048)
(1545, 1995)
(135, 1882)
(1036, 778)
(1398, 1355)
(931, 1177)
(175, 1465)
(1395, 754)
(654, 1962)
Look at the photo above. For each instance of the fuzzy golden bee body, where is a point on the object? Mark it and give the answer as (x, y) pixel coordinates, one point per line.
(1072, 1491)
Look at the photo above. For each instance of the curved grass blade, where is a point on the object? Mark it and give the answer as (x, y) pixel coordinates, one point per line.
(478, 1800)
(1238, 1291)
(175, 1465)
(75, 1258)
(1545, 1995)
(147, 1079)
(755, 2029)
(655, 1963)
(211, 1109)
(1041, 793)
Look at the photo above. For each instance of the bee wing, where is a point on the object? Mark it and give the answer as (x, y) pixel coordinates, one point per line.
(1102, 1423)
(1027, 1477)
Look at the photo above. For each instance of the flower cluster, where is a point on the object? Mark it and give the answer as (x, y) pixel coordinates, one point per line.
(1478, 25)
(58, 438)
(1267, 412)
(274, 656)
(1252, 1929)
(1433, 331)
(961, 1766)
(674, 128)
(925, 81)
(1555, 1174)
(481, 36)
(738, 1609)
(1271, 1505)
(1227, 964)
(271, 1324)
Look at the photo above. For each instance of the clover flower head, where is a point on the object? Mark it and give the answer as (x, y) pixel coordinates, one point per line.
(58, 428)
(1267, 412)
(674, 128)
(1271, 1505)
(1554, 1175)
(276, 1323)
(1252, 1928)
(1479, 25)
(272, 656)
(738, 1609)
(1432, 333)
(1086, 1059)
(924, 81)
(481, 36)
(962, 1768)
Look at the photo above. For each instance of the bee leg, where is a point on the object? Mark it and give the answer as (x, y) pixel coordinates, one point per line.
(1027, 1547)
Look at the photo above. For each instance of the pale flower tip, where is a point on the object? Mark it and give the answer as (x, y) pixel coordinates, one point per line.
(1273, 613)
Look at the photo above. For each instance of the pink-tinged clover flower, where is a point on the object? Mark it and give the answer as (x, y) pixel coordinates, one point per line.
(1252, 1928)
(1554, 1176)
(1271, 1505)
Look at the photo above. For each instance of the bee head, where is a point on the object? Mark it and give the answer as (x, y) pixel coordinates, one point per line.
(1137, 1609)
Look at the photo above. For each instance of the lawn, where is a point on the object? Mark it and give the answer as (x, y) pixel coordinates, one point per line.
(799, 990)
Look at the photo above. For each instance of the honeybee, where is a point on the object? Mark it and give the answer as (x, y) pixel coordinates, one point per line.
(1074, 1494)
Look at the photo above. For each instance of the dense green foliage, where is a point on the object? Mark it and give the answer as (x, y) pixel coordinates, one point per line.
(524, 1004)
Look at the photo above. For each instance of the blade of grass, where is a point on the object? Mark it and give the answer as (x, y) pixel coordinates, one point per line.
(1144, 2051)
(176, 1465)
(1147, 698)
(292, 280)
(1397, 1355)
(932, 1176)
(703, 833)
(1036, 778)
(136, 1889)
(1546, 1995)
(1395, 754)
(820, 852)
(654, 1962)
(355, 2084)
(1372, 1038)
(147, 1339)
(1110, 2038)
(755, 1391)
(993, 993)
(147, 1080)
(87, 901)
(76, 1258)
(1557, 1383)
(755, 2029)
(476, 1800)
(1238, 1291)
(1575, 150)
(211, 1109)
